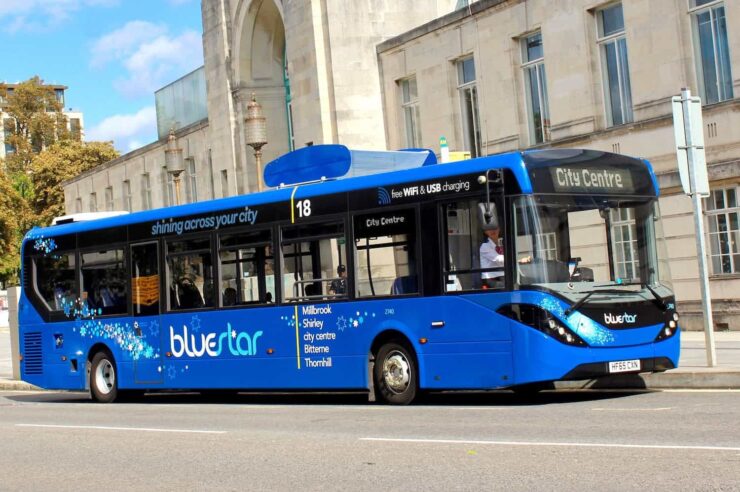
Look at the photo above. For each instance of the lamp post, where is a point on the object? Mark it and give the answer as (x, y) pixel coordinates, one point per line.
(255, 127)
(173, 161)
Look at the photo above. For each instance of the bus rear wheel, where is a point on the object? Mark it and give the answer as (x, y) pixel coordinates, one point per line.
(103, 380)
(395, 375)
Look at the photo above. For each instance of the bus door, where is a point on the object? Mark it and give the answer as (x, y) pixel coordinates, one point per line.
(145, 285)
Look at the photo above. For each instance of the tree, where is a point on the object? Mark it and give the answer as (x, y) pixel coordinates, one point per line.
(14, 214)
(35, 122)
(61, 161)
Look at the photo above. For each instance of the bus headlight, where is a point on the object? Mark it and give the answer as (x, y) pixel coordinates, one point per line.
(670, 328)
(542, 321)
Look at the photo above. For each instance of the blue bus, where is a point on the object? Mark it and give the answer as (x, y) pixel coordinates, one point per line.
(508, 271)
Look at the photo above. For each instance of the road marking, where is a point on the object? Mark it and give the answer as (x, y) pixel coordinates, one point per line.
(136, 429)
(662, 409)
(559, 444)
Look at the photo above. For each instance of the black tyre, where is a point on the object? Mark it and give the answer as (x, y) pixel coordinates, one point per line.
(103, 378)
(395, 376)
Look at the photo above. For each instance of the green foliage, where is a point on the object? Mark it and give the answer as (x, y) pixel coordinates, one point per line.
(63, 160)
(46, 154)
(37, 122)
(14, 214)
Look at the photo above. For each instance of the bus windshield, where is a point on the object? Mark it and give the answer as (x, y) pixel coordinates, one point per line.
(572, 244)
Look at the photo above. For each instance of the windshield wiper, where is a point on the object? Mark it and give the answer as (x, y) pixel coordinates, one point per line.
(661, 304)
(583, 300)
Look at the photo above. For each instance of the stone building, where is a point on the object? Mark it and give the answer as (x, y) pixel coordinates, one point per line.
(492, 76)
(75, 121)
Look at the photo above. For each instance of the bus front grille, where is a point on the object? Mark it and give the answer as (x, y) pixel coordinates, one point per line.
(32, 353)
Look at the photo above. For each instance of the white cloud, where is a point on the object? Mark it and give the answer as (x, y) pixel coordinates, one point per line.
(151, 56)
(127, 131)
(41, 15)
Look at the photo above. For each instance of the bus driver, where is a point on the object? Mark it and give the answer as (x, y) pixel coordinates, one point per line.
(492, 256)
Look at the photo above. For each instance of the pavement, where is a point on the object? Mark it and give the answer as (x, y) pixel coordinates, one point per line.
(692, 373)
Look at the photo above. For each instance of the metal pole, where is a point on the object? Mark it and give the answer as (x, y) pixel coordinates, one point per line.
(699, 226)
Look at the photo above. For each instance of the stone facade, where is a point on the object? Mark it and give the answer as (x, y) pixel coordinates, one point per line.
(662, 59)
(344, 67)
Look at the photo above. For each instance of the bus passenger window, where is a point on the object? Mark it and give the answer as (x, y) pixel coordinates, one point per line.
(104, 282)
(473, 257)
(190, 274)
(55, 280)
(314, 259)
(145, 279)
(385, 254)
(247, 275)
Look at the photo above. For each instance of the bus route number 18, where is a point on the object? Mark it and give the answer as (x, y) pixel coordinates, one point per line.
(304, 208)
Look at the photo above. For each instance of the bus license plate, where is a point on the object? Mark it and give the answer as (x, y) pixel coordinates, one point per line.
(624, 366)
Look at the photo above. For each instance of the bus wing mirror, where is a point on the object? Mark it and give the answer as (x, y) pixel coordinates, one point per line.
(488, 216)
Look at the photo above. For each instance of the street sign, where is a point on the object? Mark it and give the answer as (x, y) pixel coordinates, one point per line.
(689, 135)
(692, 167)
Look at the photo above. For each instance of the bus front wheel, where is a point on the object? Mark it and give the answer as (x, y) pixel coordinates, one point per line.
(103, 381)
(396, 377)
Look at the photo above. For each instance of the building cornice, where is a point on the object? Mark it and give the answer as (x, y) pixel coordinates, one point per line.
(182, 132)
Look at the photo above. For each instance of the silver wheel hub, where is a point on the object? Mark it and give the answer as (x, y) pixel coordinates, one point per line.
(396, 372)
(105, 377)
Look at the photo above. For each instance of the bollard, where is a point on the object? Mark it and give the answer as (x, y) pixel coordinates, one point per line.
(14, 294)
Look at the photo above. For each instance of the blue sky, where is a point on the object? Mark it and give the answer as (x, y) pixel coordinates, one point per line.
(112, 54)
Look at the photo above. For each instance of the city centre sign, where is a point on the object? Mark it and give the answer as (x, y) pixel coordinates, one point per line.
(591, 180)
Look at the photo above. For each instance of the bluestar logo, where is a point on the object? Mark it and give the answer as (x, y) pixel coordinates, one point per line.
(384, 198)
(212, 344)
(617, 319)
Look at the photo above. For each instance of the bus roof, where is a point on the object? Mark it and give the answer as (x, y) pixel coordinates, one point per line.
(523, 165)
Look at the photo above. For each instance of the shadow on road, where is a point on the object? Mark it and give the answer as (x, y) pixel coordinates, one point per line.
(457, 398)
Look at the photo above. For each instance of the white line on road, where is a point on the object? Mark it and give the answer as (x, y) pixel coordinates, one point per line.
(660, 409)
(137, 429)
(561, 444)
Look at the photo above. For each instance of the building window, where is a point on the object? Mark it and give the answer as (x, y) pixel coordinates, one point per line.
(78, 205)
(169, 187)
(410, 107)
(712, 50)
(8, 129)
(723, 215)
(146, 192)
(533, 65)
(624, 240)
(93, 202)
(613, 45)
(192, 180)
(109, 198)
(75, 127)
(224, 183)
(127, 195)
(468, 91)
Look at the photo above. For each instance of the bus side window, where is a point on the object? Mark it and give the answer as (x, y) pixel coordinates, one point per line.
(465, 244)
(104, 287)
(145, 279)
(190, 273)
(247, 275)
(314, 258)
(385, 253)
(55, 280)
